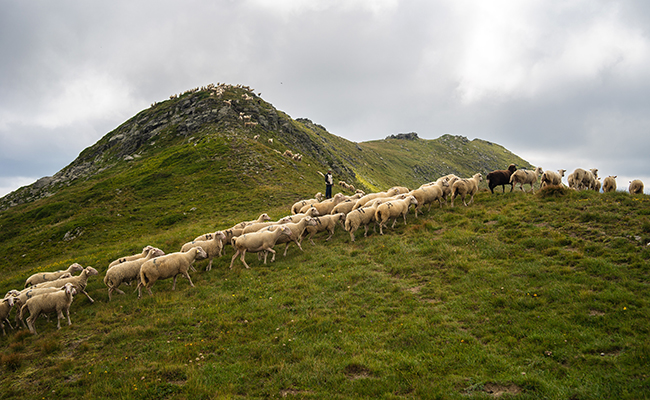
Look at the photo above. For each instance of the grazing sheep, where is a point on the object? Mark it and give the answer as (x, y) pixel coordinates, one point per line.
(6, 305)
(52, 276)
(212, 247)
(169, 266)
(464, 187)
(58, 301)
(80, 281)
(552, 178)
(636, 187)
(145, 250)
(581, 179)
(609, 184)
(255, 242)
(427, 195)
(127, 272)
(325, 223)
(523, 177)
(500, 177)
(393, 209)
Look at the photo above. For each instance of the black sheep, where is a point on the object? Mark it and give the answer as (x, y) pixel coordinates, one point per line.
(501, 177)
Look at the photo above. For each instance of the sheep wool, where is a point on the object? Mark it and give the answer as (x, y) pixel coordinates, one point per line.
(169, 266)
(58, 302)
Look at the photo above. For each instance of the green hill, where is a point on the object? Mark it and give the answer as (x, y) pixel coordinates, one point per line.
(533, 296)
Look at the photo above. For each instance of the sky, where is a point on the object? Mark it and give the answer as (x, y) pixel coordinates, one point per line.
(560, 83)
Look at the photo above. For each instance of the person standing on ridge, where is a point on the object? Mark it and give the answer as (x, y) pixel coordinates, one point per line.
(329, 181)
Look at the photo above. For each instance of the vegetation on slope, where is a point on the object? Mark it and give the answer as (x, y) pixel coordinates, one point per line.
(530, 295)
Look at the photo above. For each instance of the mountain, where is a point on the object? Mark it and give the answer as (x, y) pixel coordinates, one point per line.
(211, 156)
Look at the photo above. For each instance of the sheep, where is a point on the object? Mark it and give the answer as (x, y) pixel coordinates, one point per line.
(523, 177)
(371, 196)
(169, 266)
(597, 185)
(325, 207)
(297, 206)
(325, 223)
(609, 184)
(127, 272)
(145, 250)
(26, 294)
(52, 276)
(427, 195)
(344, 207)
(311, 212)
(257, 242)
(464, 187)
(446, 189)
(262, 218)
(393, 209)
(500, 177)
(270, 141)
(582, 179)
(552, 178)
(636, 187)
(56, 301)
(80, 281)
(297, 230)
(288, 153)
(6, 305)
(261, 225)
(212, 247)
(361, 216)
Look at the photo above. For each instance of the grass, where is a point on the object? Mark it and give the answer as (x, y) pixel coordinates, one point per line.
(527, 296)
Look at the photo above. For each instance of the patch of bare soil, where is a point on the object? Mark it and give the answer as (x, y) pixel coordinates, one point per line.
(497, 390)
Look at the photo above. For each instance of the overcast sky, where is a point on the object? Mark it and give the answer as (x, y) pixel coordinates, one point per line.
(563, 84)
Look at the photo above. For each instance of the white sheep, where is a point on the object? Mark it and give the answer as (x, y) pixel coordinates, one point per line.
(393, 209)
(127, 272)
(325, 207)
(169, 266)
(58, 302)
(552, 178)
(311, 212)
(297, 230)
(212, 247)
(80, 281)
(145, 250)
(609, 184)
(26, 294)
(525, 177)
(262, 218)
(52, 276)
(464, 187)
(6, 305)
(371, 196)
(636, 187)
(361, 216)
(344, 207)
(582, 179)
(255, 242)
(428, 194)
(325, 223)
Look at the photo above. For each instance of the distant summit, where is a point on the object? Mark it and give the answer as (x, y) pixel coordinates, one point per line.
(404, 136)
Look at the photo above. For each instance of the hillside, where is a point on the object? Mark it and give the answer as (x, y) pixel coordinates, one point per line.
(191, 162)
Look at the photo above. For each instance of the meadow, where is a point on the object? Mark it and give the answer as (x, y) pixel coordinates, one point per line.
(519, 295)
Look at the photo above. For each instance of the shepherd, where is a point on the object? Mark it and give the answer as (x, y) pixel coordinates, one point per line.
(329, 181)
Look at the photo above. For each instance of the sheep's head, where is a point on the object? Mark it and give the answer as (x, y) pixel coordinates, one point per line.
(155, 252)
(76, 267)
(65, 275)
(413, 200)
(12, 293)
(561, 171)
(219, 235)
(312, 212)
(9, 301)
(512, 168)
(310, 221)
(91, 271)
(70, 289)
(265, 217)
(200, 253)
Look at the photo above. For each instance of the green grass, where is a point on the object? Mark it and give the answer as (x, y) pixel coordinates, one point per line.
(535, 296)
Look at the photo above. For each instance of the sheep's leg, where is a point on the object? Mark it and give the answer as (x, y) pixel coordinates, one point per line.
(272, 258)
(365, 234)
(331, 234)
(59, 316)
(381, 230)
(67, 311)
(209, 267)
(187, 275)
(243, 253)
(87, 295)
(233, 258)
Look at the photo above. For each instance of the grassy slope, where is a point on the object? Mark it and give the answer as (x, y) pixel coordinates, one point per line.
(539, 296)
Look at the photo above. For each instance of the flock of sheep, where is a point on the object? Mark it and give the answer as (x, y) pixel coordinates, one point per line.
(54, 291)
